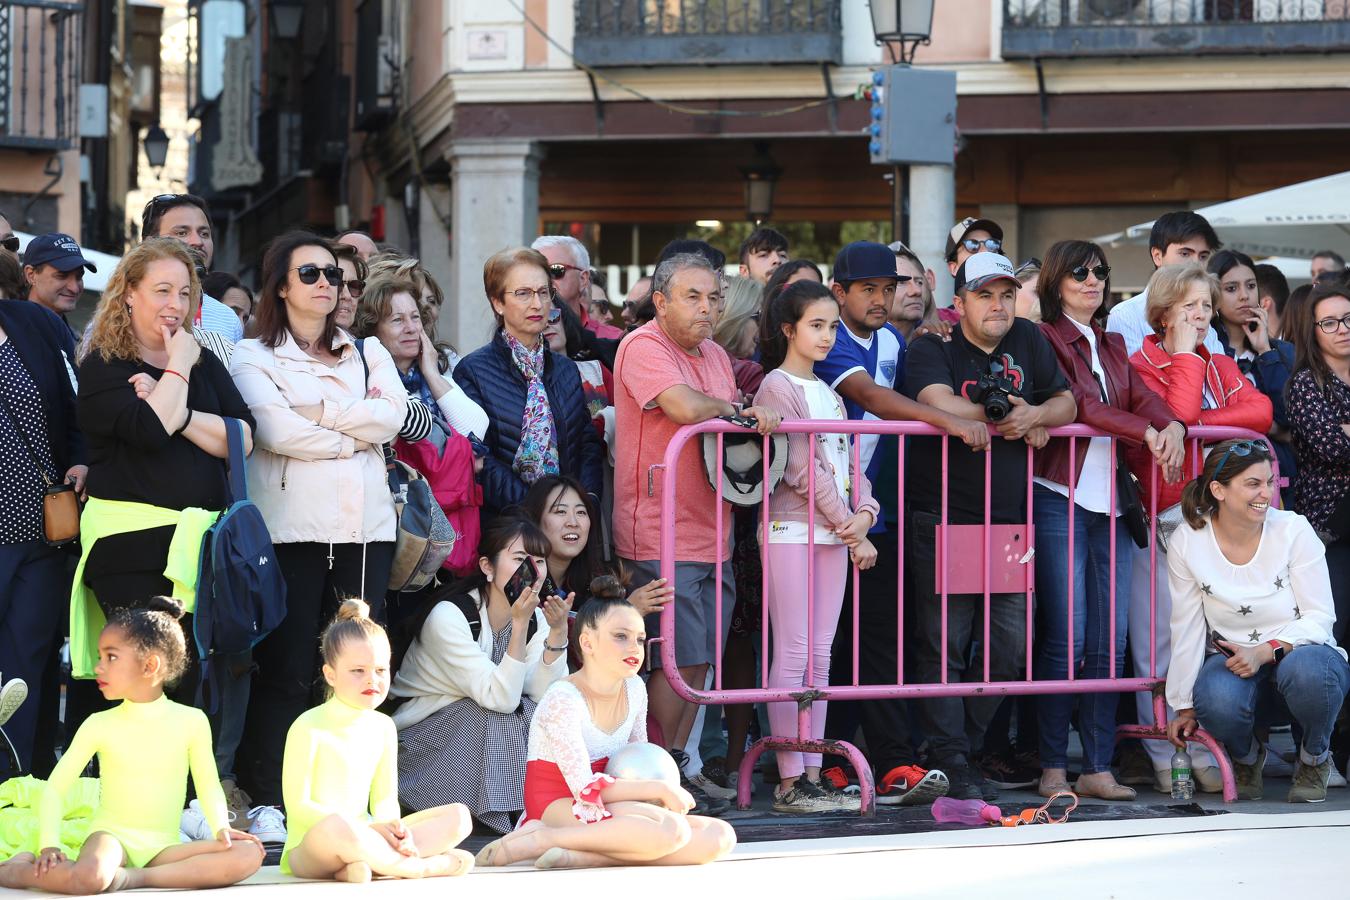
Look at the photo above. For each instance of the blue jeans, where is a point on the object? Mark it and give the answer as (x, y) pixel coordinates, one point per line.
(1310, 684)
(1091, 626)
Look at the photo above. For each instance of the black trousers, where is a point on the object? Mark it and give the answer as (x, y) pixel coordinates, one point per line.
(34, 589)
(287, 681)
(885, 723)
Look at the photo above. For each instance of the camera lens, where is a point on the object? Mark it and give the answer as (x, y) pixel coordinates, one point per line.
(996, 406)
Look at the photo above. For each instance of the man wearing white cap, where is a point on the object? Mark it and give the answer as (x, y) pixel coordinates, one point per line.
(999, 370)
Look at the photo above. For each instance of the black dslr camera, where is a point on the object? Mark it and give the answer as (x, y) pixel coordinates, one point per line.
(994, 391)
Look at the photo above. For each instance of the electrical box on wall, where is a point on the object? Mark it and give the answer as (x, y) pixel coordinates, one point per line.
(913, 116)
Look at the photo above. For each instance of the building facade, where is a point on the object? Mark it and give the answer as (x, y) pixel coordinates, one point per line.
(458, 127)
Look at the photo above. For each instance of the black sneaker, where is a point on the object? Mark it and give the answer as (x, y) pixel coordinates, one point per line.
(987, 792)
(961, 783)
(715, 770)
(704, 804)
(1005, 771)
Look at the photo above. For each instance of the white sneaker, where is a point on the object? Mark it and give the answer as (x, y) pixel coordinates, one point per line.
(712, 788)
(269, 825)
(12, 696)
(1336, 779)
(193, 825)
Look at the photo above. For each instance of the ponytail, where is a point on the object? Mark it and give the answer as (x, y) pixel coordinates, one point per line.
(1197, 503)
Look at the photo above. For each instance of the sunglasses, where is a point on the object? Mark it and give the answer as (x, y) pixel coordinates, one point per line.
(11, 243)
(355, 287)
(559, 270)
(1328, 326)
(309, 274)
(1242, 449)
(554, 315)
(172, 200)
(993, 245)
(1080, 273)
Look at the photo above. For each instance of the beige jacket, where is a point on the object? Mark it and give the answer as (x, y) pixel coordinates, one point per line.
(305, 478)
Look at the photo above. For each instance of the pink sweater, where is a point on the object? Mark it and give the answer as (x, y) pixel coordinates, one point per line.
(787, 503)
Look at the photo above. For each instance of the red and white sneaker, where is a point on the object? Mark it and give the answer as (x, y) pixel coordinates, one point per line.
(911, 786)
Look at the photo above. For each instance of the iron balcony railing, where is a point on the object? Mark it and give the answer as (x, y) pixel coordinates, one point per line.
(706, 32)
(1067, 28)
(39, 74)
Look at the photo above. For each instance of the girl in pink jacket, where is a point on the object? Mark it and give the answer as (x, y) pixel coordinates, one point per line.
(813, 534)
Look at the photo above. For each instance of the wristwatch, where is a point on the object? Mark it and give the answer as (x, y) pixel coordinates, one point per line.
(1279, 650)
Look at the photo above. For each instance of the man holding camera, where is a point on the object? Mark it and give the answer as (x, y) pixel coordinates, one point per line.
(999, 370)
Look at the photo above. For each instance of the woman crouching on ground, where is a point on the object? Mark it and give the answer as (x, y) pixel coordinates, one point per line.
(1252, 622)
(575, 815)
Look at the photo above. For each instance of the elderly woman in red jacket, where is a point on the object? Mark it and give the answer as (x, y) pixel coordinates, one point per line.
(1111, 398)
(1200, 389)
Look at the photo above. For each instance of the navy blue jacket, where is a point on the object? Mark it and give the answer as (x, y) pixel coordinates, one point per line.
(47, 348)
(490, 377)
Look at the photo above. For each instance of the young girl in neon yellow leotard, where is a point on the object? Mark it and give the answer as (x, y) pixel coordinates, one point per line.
(340, 775)
(146, 747)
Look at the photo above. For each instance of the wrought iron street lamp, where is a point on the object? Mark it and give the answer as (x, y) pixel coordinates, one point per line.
(902, 24)
(156, 146)
(761, 176)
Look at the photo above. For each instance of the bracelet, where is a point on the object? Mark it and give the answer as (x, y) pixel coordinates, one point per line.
(556, 649)
(179, 374)
(184, 426)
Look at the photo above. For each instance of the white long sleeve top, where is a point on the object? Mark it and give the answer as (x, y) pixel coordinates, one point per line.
(445, 664)
(1284, 592)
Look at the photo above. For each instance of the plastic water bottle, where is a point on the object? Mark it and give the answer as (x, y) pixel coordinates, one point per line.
(965, 812)
(1183, 788)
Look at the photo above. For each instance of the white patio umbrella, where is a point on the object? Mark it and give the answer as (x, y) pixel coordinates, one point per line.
(1293, 221)
(93, 281)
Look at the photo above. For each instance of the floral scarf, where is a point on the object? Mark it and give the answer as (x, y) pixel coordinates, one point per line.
(537, 454)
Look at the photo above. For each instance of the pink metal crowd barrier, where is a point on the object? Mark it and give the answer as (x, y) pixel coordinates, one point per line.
(806, 695)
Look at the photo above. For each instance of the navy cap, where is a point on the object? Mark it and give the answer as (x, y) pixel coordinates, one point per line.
(864, 259)
(61, 250)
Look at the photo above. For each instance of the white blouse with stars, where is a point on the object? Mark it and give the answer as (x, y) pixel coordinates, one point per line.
(1284, 593)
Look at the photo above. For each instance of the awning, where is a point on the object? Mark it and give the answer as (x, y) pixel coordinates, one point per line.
(1295, 221)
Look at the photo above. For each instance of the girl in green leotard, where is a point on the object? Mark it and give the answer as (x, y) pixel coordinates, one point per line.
(340, 775)
(146, 748)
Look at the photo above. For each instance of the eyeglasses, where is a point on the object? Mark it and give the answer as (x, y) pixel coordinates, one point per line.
(554, 315)
(355, 287)
(11, 243)
(1328, 326)
(309, 274)
(993, 245)
(1080, 273)
(525, 295)
(1241, 448)
(559, 270)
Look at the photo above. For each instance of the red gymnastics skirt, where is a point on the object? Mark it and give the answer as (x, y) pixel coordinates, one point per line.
(544, 783)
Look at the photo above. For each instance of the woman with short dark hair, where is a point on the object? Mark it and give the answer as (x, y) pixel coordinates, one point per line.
(325, 406)
(1074, 284)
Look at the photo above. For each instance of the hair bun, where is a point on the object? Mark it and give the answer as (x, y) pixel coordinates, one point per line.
(607, 587)
(352, 608)
(170, 605)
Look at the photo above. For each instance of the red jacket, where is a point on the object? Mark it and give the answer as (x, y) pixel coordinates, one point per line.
(1133, 406)
(1181, 379)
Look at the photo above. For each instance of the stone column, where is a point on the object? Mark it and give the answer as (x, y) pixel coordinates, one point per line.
(932, 212)
(494, 205)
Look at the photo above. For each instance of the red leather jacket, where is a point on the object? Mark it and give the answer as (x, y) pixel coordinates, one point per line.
(1180, 379)
(1133, 407)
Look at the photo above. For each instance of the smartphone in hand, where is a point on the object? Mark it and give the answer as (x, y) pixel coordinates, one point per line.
(526, 575)
(1215, 637)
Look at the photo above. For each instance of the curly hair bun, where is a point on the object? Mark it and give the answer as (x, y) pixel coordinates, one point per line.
(169, 605)
(607, 587)
(352, 608)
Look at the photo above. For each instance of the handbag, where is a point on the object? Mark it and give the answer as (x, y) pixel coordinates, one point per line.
(1132, 510)
(60, 503)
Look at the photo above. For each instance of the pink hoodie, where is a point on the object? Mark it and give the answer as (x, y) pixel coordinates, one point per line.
(787, 503)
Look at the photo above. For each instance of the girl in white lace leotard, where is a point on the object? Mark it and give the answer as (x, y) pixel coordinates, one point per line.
(575, 815)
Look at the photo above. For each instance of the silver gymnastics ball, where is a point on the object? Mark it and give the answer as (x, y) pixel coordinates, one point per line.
(644, 762)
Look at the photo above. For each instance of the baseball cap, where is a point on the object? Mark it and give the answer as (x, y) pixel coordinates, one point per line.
(969, 223)
(60, 250)
(983, 268)
(864, 259)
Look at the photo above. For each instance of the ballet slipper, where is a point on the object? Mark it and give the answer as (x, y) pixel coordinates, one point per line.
(449, 864)
(355, 873)
(498, 853)
(121, 881)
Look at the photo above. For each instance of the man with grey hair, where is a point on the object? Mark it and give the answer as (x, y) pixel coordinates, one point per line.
(569, 269)
(668, 373)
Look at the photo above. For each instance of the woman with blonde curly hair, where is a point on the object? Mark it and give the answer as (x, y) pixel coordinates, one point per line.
(152, 405)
